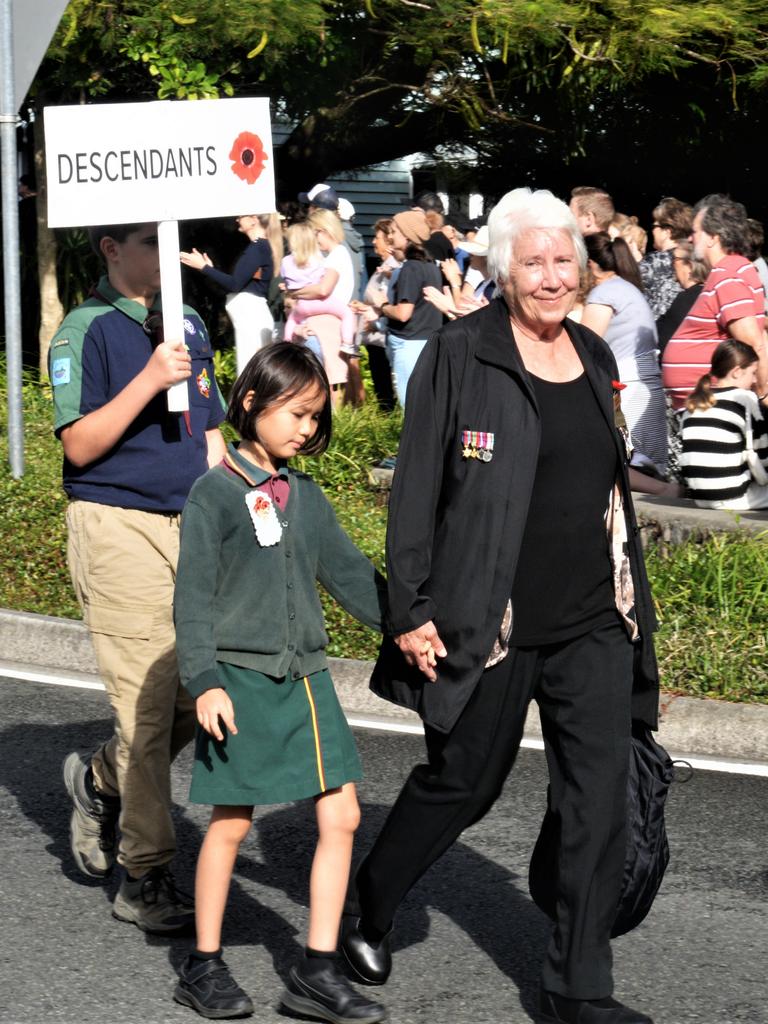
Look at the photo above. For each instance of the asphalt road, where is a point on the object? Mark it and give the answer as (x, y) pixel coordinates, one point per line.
(469, 940)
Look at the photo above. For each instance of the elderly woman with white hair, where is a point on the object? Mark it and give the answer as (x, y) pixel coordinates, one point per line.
(515, 573)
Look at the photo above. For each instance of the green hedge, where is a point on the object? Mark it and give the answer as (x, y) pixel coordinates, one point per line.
(710, 596)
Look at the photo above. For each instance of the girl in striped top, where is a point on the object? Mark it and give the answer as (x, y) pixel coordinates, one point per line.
(719, 413)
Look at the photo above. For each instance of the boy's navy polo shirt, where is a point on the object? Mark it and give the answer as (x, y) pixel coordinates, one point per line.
(100, 347)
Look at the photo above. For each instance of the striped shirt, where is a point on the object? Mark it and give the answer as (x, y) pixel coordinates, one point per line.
(714, 460)
(731, 292)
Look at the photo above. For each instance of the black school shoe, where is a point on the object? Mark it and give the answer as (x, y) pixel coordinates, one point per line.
(208, 987)
(369, 962)
(556, 1009)
(317, 988)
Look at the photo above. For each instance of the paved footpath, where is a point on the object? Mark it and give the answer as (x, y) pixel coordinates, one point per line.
(469, 940)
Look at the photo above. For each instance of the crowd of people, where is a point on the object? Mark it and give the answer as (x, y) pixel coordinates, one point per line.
(661, 312)
(526, 354)
(702, 285)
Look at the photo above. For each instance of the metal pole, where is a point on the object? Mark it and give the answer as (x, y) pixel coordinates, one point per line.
(11, 271)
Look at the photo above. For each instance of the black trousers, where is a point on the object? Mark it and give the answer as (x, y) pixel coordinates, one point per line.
(381, 375)
(583, 688)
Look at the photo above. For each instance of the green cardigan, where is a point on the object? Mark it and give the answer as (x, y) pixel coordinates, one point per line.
(258, 607)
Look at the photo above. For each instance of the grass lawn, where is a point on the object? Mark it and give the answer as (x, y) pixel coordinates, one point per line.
(710, 596)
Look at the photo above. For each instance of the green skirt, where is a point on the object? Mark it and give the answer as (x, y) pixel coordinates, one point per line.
(292, 742)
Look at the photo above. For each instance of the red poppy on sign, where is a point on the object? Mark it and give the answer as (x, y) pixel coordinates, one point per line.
(248, 157)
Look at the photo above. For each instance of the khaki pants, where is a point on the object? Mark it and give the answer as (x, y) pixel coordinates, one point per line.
(123, 568)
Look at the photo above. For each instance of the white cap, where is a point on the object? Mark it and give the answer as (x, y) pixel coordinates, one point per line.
(322, 196)
(479, 246)
(346, 210)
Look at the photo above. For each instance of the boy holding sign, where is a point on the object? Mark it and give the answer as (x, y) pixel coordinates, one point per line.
(128, 467)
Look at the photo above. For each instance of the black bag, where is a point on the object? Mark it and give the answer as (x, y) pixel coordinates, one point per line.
(650, 775)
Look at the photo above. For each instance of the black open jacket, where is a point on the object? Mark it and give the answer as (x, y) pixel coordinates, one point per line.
(456, 524)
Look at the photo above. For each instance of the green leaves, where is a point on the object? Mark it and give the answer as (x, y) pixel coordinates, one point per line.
(185, 49)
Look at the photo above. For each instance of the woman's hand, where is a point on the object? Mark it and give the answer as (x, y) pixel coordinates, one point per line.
(378, 299)
(443, 302)
(195, 259)
(451, 273)
(214, 705)
(302, 331)
(422, 647)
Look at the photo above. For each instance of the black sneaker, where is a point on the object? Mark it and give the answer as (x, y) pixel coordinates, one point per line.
(154, 904)
(317, 988)
(208, 987)
(92, 827)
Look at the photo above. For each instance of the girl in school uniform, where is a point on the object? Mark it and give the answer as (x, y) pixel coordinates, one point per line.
(256, 535)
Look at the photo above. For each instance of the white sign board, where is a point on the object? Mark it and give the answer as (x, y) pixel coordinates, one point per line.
(131, 163)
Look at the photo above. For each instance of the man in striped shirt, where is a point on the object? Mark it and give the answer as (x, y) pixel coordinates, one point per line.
(731, 304)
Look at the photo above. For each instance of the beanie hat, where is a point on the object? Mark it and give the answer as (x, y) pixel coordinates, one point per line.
(414, 225)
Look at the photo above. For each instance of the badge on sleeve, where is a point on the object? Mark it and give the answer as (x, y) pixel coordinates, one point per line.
(61, 371)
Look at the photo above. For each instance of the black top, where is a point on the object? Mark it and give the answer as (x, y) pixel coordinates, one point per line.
(409, 287)
(439, 247)
(257, 259)
(455, 529)
(668, 323)
(563, 584)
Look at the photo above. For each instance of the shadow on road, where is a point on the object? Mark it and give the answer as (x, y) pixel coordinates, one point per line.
(484, 899)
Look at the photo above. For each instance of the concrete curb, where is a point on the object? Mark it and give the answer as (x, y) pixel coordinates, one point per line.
(673, 521)
(705, 728)
(662, 520)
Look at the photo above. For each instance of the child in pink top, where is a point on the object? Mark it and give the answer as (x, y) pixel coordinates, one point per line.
(303, 266)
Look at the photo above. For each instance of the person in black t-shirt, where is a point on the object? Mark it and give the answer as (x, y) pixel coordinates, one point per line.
(410, 318)
(515, 573)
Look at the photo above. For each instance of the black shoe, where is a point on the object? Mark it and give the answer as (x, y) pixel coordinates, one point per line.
(317, 988)
(556, 1009)
(92, 826)
(208, 987)
(154, 904)
(370, 962)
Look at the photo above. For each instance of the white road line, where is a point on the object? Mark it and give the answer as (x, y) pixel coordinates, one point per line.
(15, 672)
(712, 764)
(36, 675)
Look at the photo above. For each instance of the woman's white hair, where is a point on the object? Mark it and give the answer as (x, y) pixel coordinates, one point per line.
(523, 210)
